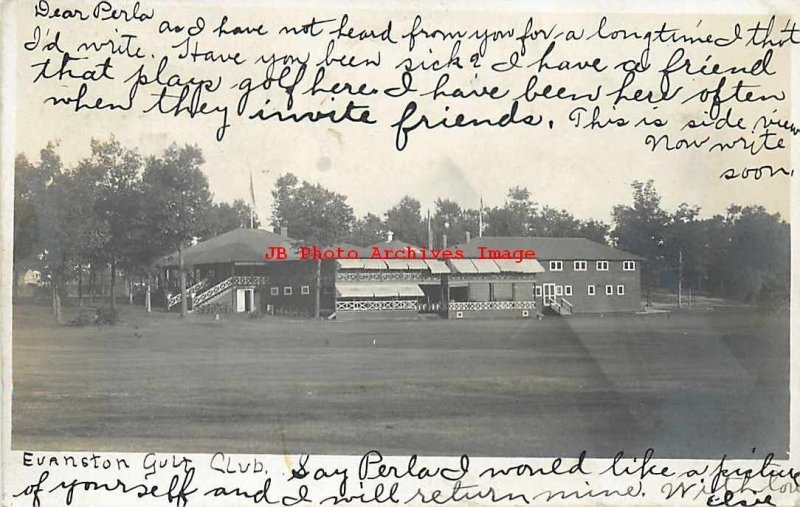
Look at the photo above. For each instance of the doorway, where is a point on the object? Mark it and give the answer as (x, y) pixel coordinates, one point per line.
(244, 300)
(548, 293)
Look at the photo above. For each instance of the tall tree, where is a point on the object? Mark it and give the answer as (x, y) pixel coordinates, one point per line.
(513, 219)
(59, 215)
(404, 219)
(176, 197)
(367, 230)
(29, 187)
(223, 217)
(594, 230)
(451, 220)
(641, 229)
(758, 259)
(685, 246)
(117, 171)
(313, 214)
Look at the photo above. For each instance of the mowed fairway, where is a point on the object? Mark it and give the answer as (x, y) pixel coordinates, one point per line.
(695, 384)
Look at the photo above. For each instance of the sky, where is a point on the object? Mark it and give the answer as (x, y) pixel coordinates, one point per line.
(585, 172)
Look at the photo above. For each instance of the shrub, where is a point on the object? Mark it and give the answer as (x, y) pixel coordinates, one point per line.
(82, 319)
(107, 316)
(212, 309)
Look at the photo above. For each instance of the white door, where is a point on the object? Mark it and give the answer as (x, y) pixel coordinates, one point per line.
(240, 300)
(548, 293)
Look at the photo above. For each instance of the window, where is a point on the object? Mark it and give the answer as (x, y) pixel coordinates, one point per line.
(590, 290)
(602, 265)
(609, 290)
(556, 265)
(568, 290)
(620, 290)
(304, 289)
(628, 266)
(579, 265)
(274, 291)
(538, 291)
(287, 291)
(559, 290)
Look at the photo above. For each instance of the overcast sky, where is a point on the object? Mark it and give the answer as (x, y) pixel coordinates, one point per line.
(582, 171)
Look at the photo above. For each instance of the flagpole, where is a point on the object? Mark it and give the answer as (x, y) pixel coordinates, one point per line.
(430, 231)
(480, 220)
(252, 200)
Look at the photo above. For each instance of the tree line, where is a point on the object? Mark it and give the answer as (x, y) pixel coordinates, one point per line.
(118, 209)
(742, 254)
(113, 209)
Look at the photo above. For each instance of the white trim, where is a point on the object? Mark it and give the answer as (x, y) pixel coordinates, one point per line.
(591, 290)
(580, 265)
(559, 290)
(376, 305)
(556, 265)
(620, 290)
(287, 290)
(568, 290)
(477, 306)
(609, 290)
(274, 291)
(628, 265)
(538, 291)
(602, 265)
(304, 289)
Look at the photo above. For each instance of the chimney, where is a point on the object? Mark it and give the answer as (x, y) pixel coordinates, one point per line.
(468, 236)
(389, 236)
(284, 231)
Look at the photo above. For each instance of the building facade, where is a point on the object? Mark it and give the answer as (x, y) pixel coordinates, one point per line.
(578, 275)
(230, 274)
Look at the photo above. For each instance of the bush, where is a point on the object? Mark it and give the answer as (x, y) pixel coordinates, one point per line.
(107, 316)
(83, 319)
(212, 309)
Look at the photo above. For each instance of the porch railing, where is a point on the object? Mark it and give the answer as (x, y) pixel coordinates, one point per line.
(176, 298)
(213, 291)
(490, 305)
(560, 305)
(234, 281)
(379, 305)
(250, 280)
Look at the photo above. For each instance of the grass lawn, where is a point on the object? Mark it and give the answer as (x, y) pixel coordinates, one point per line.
(692, 384)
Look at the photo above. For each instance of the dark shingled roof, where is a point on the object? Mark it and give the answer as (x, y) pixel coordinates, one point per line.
(238, 245)
(550, 248)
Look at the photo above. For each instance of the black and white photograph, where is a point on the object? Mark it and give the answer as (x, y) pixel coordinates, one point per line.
(351, 229)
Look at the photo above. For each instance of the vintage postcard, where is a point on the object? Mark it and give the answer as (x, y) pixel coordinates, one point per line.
(424, 253)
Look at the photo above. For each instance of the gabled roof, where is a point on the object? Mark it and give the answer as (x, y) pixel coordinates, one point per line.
(238, 245)
(549, 248)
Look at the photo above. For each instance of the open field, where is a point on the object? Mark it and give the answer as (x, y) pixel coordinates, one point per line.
(694, 384)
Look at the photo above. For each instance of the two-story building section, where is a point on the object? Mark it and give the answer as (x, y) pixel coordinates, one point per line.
(580, 275)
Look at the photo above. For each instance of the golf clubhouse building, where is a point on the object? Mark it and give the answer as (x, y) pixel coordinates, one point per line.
(231, 274)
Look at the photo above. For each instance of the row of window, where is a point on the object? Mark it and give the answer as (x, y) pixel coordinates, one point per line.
(599, 265)
(287, 290)
(566, 290)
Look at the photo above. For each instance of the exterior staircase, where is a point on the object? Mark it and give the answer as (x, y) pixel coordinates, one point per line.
(205, 297)
(194, 289)
(560, 306)
(225, 286)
